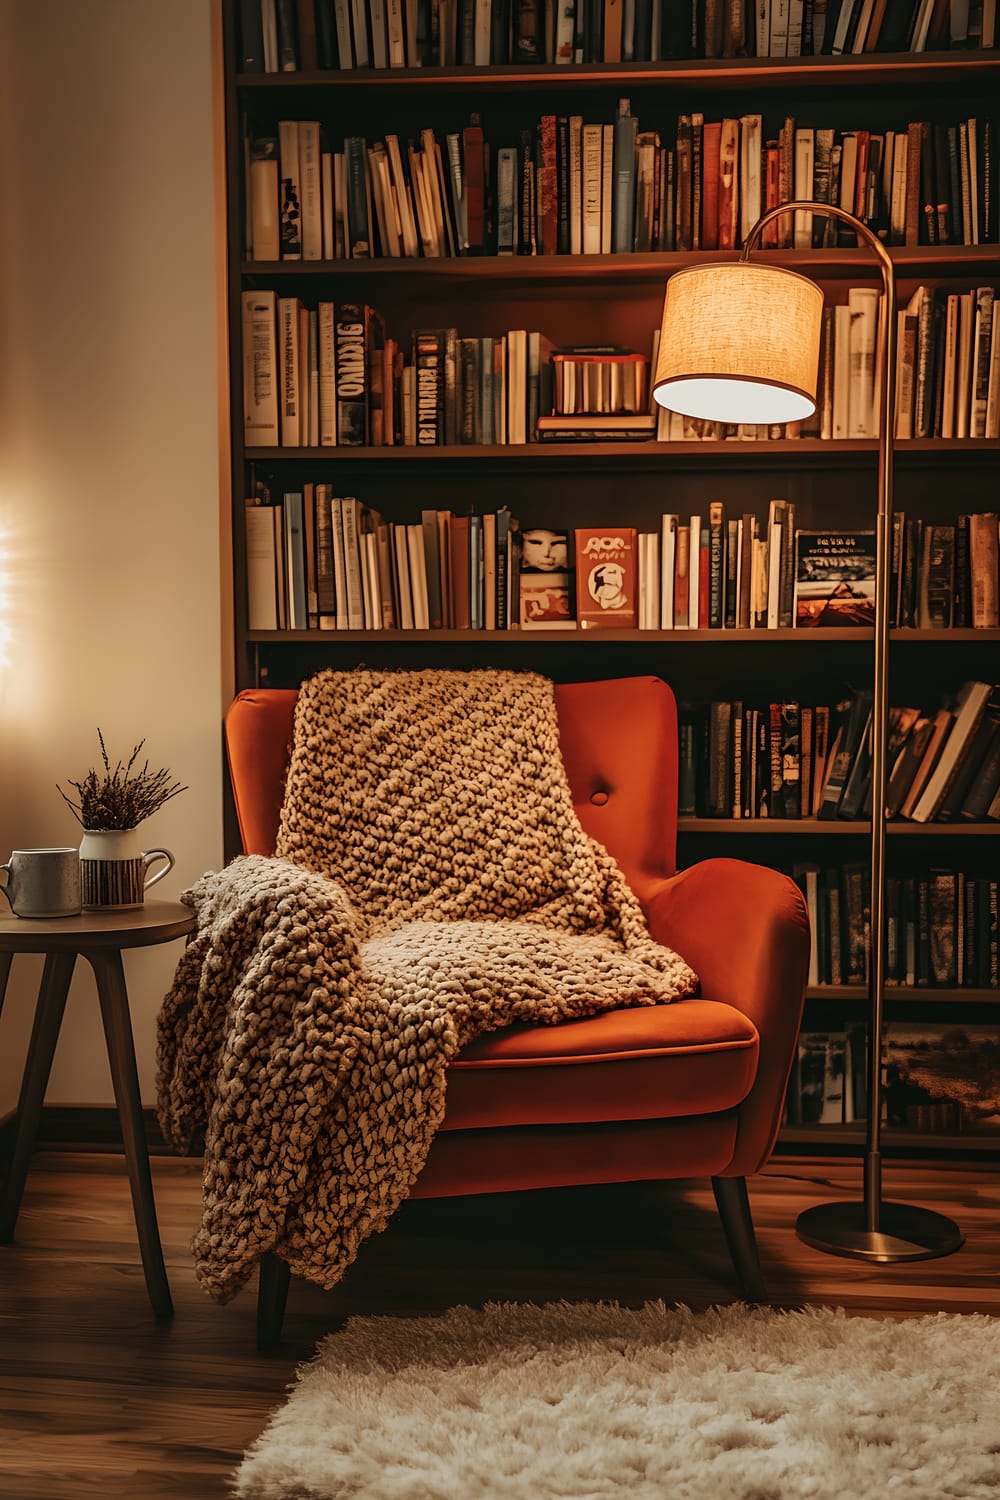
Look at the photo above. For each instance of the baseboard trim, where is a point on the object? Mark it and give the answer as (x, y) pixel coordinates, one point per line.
(82, 1127)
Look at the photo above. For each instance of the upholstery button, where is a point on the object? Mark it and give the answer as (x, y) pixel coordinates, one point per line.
(598, 798)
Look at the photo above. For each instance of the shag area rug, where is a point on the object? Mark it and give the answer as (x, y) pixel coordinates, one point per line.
(588, 1401)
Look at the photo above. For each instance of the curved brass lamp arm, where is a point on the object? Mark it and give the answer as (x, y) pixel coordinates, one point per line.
(886, 377)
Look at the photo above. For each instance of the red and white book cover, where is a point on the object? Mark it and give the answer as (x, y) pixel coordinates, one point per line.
(607, 578)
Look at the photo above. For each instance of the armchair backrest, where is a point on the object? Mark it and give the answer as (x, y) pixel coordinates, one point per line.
(619, 746)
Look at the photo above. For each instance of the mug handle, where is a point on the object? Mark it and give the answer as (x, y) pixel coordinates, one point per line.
(5, 869)
(148, 856)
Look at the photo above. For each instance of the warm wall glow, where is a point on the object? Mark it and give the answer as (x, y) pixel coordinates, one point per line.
(7, 590)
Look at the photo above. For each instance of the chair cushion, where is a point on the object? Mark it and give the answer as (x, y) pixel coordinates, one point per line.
(653, 1062)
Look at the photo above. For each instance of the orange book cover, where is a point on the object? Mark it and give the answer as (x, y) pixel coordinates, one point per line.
(729, 191)
(607, 578)
(711, 140)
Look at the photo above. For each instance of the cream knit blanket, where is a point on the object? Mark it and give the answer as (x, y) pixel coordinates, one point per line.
(431, 882)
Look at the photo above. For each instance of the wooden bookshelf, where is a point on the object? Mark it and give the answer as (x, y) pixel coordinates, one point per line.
(617, 298)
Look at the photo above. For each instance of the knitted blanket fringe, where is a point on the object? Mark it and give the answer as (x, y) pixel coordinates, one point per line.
(431, 882)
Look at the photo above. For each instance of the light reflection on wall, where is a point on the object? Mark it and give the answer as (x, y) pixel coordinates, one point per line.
(6, 601)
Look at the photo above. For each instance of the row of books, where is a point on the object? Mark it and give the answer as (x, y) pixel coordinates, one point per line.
(333, 376)
(795, 760)
(699, 572)
(942, 927)
(294, 35)
(942, 1079)
(570, 186)
(947, 366)
(316, 560)
(947, 373)
(723, 572)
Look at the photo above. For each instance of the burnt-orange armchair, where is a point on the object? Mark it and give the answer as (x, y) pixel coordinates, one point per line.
(690, 1089)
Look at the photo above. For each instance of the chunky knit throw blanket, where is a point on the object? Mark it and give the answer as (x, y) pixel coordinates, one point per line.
(431, 882)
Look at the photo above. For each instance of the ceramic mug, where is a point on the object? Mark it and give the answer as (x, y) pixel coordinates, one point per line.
(115, 869)
(43, 882)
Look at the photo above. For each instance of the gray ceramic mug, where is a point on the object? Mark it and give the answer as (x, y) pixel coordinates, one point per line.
(43, 882)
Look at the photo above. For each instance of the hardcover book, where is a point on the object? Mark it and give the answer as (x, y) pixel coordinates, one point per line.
(545, 582)
(834, 579)
(607, 578)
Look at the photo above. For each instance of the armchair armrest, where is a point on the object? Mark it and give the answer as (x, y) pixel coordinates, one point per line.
(744, 930)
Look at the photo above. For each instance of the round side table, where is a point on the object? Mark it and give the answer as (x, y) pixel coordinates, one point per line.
(100, 937)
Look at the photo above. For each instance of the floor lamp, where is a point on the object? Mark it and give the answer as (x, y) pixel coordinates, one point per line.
(739, 342)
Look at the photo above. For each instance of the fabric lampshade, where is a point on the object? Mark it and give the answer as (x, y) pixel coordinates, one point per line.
(739, 343)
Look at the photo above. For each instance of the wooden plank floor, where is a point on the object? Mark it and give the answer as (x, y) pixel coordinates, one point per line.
(98, 1399)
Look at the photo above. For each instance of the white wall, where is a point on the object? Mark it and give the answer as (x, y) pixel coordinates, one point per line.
(109, 476)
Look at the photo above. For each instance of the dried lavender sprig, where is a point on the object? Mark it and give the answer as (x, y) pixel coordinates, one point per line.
(121, 797)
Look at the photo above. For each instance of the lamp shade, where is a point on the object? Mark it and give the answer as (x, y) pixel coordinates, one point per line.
(739, 343)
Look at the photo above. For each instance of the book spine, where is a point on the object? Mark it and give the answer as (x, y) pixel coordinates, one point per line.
(349, 353)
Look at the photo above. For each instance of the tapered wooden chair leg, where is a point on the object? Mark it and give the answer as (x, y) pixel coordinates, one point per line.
(734, 1210)
(272, 1294)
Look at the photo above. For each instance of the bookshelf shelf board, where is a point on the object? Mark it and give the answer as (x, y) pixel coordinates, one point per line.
(955, 995)
(853, 1135)
(811, 638)
(535, 638)
(933, 261)
(823, 826)
(910, 70)
(805, 453)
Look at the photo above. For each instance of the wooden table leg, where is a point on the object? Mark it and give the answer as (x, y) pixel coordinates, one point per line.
(110, 976)
(5, 963)
(44, 1034)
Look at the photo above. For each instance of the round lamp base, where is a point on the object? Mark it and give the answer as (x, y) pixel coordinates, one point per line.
(904, 1233)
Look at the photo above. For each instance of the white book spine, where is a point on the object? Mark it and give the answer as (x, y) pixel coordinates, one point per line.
(950, 366)
(269, 23)
(260, 370)
(339, 561)
(694, 571)
(774, 535)
(342, 21)
(576, 184)
(352, 564)
(262, 599)
(290, 371)
(607, 187)
(963, 364)
(668, 549)
(359, 31)
(401, 551)
(310, 168)
(396, 33)
(481, 37)
(418, 576)
(805, 148)
(265, 242)
(862, 305)
(314, 379)
(404, 206)
(591, 207)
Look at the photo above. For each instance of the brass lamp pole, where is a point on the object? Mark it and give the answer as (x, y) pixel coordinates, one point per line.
(739, 342)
